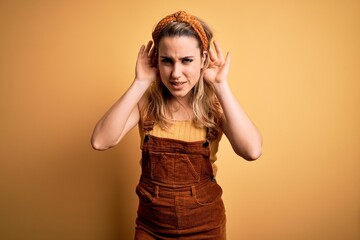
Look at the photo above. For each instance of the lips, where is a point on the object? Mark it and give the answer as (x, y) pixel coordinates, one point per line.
(177, 85)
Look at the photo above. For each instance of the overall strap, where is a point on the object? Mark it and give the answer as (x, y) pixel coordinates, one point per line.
(148, 125)
(212, 133)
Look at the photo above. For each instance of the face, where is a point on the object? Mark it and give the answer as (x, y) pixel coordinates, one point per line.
(180, 64)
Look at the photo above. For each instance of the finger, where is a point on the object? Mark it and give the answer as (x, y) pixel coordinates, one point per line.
(218, 50)
(227, 58)
(152, 52)
(212, 55)
(141, 51)
(227, 62)
(148, 47)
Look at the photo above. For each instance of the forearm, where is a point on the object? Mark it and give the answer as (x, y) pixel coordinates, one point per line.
(120, 118)
(241, 132)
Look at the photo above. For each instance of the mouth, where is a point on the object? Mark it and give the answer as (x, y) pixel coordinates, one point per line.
(177, 84)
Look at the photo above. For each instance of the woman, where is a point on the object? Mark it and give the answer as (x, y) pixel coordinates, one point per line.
(182, 103)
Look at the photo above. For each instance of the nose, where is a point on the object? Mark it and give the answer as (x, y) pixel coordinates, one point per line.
(176, 71)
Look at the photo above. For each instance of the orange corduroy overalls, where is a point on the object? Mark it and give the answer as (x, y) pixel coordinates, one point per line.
(179, 197)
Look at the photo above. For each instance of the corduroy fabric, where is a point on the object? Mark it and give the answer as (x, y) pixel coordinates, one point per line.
(183, 130)
(179, 197)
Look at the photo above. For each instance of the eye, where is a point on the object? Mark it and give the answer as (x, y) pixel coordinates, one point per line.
(187, 60)
(166, 60)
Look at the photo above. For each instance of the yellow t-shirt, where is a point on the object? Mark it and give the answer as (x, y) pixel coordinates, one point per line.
(186, 131)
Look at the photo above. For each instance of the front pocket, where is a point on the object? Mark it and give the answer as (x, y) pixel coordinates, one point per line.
(209, 194)
(144, 196)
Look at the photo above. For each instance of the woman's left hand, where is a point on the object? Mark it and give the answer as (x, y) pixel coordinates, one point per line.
(218, 69)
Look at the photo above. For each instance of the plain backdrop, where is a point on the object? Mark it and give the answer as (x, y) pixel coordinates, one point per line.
(295, 69)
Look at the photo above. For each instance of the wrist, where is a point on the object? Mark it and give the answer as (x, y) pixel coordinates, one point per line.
(141, 84)
(221, 87)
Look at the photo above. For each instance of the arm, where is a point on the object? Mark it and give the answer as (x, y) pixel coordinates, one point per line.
(244, 137)
(125, 114)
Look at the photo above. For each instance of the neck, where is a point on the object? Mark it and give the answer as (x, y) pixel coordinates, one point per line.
(180, 109)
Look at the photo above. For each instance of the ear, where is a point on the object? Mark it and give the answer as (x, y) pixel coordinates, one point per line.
(203, 58)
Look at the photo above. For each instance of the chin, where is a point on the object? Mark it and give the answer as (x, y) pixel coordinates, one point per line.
(180, 94)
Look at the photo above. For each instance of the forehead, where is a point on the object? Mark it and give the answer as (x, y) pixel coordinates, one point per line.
(179, 46)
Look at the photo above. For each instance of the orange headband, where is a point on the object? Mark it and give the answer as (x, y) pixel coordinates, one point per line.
(182, 16)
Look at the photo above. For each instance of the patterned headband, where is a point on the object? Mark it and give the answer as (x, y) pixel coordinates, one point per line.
(182, 16)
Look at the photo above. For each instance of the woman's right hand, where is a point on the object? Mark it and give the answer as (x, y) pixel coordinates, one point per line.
(125, 113)
(144, 70)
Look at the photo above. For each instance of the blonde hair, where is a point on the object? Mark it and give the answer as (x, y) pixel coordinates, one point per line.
(206, 107)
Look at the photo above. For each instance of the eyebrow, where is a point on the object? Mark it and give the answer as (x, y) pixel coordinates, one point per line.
(166, 57)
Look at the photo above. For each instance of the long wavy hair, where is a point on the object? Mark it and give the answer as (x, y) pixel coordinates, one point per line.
(205, 105)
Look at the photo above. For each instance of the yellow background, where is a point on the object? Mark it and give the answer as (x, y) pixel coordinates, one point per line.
(295, 69)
